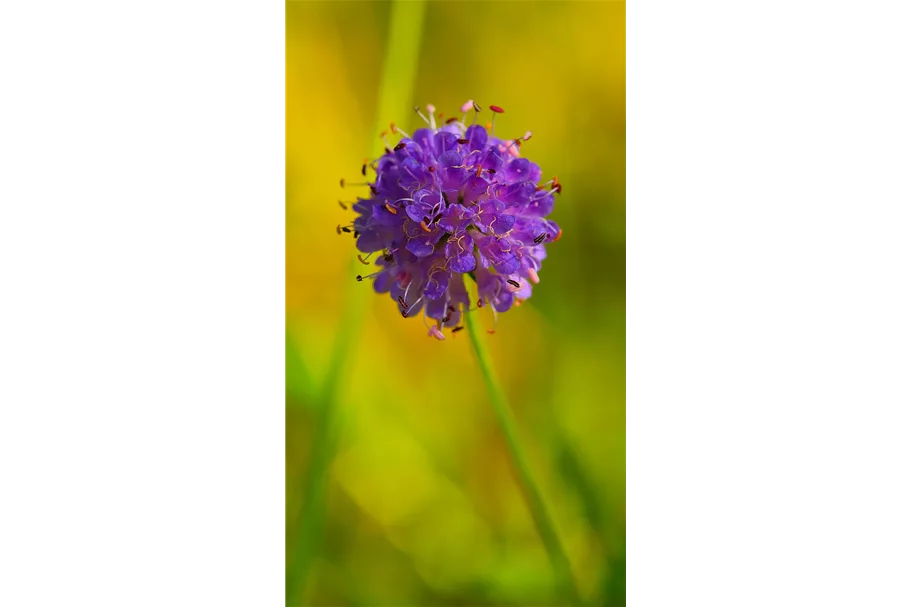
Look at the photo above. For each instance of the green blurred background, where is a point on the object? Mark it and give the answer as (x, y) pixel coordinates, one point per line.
(421, 506)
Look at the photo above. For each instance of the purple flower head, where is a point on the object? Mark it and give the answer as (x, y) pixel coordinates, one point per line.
(451, 200)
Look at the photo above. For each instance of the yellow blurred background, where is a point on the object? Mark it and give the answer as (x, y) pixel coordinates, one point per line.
(421, 504)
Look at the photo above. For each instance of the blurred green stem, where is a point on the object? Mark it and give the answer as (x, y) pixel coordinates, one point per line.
(400, 65)
(543, 522)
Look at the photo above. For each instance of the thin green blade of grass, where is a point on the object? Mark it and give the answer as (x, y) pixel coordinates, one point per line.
(400, 65)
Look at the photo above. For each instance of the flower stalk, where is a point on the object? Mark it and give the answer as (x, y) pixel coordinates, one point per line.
(542, 519)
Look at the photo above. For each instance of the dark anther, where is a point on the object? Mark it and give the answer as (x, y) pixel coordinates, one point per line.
(364, 170)
(446, 318)
(457, 329)
(404, 313)
(356, 233)
(402, 302)
(477, 107)
(496, 109)
(359, 278)
(399, 147)
(341, 182)
(431, 169)
(492, 171)
(480, 303)
(559, 188)
(540, 238)
(451, 120)
(451, 309)
(346, 230)
(372, 190)
(343, 205)
(513, 283)
(436, 218)
(388, 151)
(461, 141)
(388, 258)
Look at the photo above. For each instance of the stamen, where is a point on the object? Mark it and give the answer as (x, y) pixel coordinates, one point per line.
(390, 208)
(496, 110)
(467, 106)
(430, 111)
(558, 236)
(424, 227)
(417, 111)
(398, 147)
(457, 329)
(417, 304)
(477, 110)
(514, 283)
(533, 276)
(396, 129)
(435, 332)
(363, 278)
(451, 120)
(364, 260)
(364, 169)
(540, 238)
(343, 205)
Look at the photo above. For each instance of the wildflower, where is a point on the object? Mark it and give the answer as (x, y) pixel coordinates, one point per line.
(451, 200)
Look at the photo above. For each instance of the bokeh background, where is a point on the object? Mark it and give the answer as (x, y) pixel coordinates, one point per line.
(417, 500)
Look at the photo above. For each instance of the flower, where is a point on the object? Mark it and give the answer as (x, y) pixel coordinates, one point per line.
(448, 201)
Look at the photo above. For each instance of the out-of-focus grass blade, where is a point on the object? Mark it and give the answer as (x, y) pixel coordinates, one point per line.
(400, 65)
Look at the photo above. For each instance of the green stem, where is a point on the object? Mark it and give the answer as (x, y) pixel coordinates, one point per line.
(543, 522)
(400, 65)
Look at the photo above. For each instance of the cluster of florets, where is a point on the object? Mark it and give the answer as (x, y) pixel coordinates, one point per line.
(448, 201)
